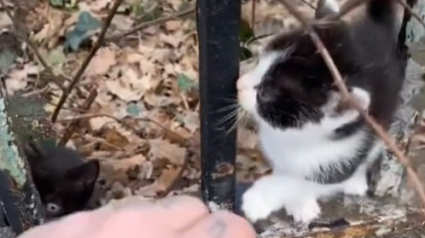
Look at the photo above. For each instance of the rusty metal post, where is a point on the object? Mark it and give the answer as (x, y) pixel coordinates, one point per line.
(218, 23)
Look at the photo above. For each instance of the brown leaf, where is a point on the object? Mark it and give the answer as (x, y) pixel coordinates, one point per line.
(168, 176)
(165, 180)
(128, 163)
(191, 121)
(163, 149)
(173, 25)
(114, 138)
(247, 139)
(103, 60)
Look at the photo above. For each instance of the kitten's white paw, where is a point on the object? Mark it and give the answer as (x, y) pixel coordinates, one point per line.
(304, 212)
(255, 205)
(356, 187)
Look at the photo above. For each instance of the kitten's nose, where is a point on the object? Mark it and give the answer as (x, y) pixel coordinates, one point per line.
(243, 82)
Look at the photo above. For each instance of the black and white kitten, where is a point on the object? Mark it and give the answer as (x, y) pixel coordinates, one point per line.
(317, 146)
(63, 178)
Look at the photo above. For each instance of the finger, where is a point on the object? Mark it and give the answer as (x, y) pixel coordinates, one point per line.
(67, 227)
(118, 204)
(173, 213)
(221, 225)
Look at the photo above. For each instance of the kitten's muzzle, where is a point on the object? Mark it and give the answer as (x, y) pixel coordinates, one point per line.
(246, 93)
(243, 83)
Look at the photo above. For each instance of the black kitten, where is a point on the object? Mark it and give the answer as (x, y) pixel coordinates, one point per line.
(317, 145)
(63, 178)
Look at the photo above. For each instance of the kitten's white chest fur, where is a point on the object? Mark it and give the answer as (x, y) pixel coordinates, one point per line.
(300, 152)
(295, 154)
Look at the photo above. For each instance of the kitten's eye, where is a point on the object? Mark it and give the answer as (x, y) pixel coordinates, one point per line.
(53, 208)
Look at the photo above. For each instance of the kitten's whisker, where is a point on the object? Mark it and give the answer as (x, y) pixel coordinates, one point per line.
(244, 120)
(241, 115)
(228, 108)
(228, 117)
(234, 100)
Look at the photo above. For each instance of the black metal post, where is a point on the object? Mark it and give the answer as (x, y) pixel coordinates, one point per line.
(218, 23)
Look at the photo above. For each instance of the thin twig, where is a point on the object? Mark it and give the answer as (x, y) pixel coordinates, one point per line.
(410, 10)
(86, 62)
(256, 38)
(415, 119)
(152, 23)
(122, 122)
(341, 86)
(24, 33)
(74, 125)
(308, 4)
(105, 142)
(253, 10)
(35, 92)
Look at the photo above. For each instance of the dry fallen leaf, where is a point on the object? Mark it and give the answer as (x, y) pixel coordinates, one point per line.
(52, 30)
(165, 180)
(247, 139)
(125, 164)
(101, 62)
(173, 25)
(163, 149)
(96, 123)
(191, 121)
(113, 137)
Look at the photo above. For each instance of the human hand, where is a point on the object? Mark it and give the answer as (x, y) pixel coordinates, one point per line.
(177, 217)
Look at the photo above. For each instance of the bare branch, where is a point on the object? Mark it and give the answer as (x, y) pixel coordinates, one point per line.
(308, 4)
(74, 125)
(86, 62)
(24, 34)
(410, 10)
(253, 10)
(152, 23)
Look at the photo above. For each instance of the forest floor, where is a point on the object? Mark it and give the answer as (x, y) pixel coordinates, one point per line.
(143, 124)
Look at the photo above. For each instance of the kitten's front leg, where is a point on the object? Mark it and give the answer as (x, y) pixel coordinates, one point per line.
(357, 185)
(274, 192)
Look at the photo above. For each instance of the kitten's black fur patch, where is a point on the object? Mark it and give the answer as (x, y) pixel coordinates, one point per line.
(342, 171)
(368, 56)
(62, 177)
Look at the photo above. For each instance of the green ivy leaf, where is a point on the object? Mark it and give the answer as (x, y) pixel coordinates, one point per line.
(184, 82)
(57, 3)
(147, 11)
(245, 32)
(83, 30)
(134, 109)
(56, 58)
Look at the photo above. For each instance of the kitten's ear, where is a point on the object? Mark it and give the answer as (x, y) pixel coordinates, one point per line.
(33, 151)
(85, 175)
(361, 97)
(326, 7)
